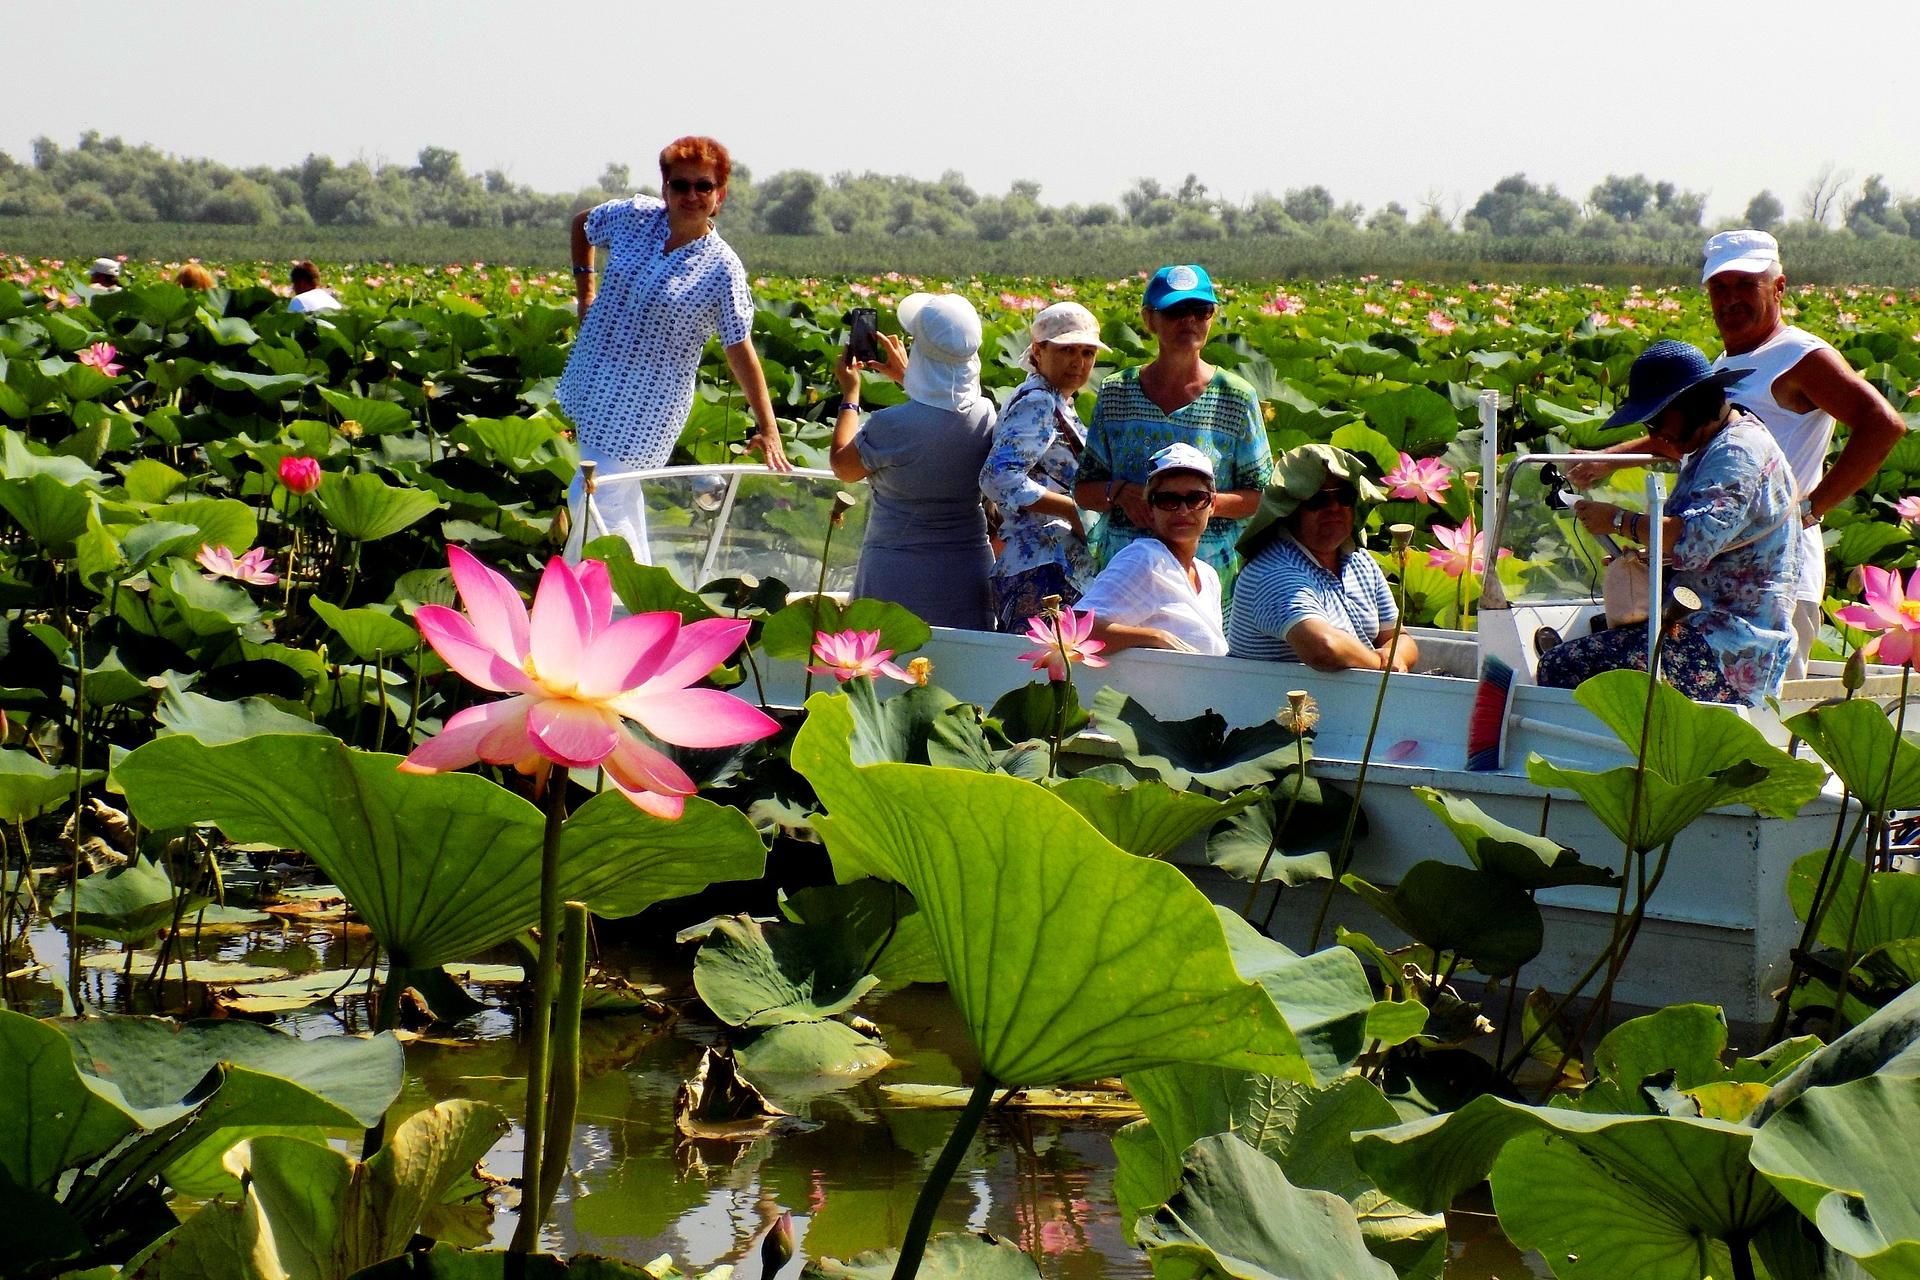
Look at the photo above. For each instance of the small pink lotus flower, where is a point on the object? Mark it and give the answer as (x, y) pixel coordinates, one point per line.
(1421, 479)
(1461, 550)
(1440, 322)
(1062, 645)
(1890, 611)
(1908, 508)
(574, 675)
(253, 568)
(846, 654)
(100, 356)
(300, 473)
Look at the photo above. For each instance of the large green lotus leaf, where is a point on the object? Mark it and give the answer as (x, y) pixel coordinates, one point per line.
(128, 904)
(1325, 997)
(214, 721)
(270, 387)
(1068, 958)
(1888, 1043)
(897, 730)
(1688, 740)
(1666, 808)
(209, 608)
(1858, 741)
(1237, 1215)
(1532, 862)
(1415, 419)
(882, 921)
(40, 1233)
(1686, 1039)
(366, 508)
(1843, 1156)
(1202, 749)
(751, 977)
(223, 522)
(445, 1262)
(825, 1048)
(1890, 913)
(29, 786)
(1146, 1171)
(369, 632)
(1150, 818)
(52, 511)
(56, 1118)
(948, 1257)
(1477, 914)
(162, 1066)
(1244, 845)
(1636, 1202)
(439, 866)
(376, 417)
(151, 480)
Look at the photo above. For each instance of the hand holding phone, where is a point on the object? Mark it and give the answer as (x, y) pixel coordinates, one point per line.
(863, 328)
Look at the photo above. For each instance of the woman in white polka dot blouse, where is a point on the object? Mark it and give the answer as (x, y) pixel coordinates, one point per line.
(669, 283)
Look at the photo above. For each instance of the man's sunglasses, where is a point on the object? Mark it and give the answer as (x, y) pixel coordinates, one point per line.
(1192, 499)
(681, 186)
(1327, 497)
(1187, 310)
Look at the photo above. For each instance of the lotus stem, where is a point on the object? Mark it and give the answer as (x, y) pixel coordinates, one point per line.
(1280, 830)
(526, 1233)
(1343, 856)
(79, 778)
(1866, 869)
(1816, 911)
(841, 501)
(920, 1226)
(566, 1055)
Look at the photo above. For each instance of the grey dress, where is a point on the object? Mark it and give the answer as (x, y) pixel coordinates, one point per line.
(926, 542)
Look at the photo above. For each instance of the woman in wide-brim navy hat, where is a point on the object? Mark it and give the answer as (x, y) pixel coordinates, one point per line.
(1729, 532)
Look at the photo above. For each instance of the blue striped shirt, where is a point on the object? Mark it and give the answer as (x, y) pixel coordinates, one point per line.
(1284, 585)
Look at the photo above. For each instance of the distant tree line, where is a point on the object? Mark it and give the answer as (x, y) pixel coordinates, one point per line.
(106, 179)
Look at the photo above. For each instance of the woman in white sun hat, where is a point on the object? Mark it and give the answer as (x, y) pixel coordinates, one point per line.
(1029, 472)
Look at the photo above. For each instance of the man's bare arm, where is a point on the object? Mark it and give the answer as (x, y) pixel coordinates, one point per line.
(1873, 428)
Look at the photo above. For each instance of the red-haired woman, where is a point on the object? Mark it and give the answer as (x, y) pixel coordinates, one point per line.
(668, 284)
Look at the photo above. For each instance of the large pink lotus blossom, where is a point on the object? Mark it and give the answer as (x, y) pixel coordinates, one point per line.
(101, 356)
(1419, 479)
(1069, 642)
(255, 568)
(1461, 550)
(846, 654)
(1892, 612)
(574, 675)
(1908, 508)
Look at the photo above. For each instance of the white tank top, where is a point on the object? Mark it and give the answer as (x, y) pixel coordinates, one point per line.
(1803, 437)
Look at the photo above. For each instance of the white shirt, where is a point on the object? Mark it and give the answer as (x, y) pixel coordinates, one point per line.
(1803, 437)
(1144, 586)
(313, 300)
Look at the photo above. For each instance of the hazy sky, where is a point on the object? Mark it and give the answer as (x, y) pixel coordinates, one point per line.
(1376, 100)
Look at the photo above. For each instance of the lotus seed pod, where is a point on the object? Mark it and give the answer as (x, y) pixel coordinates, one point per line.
(1402, 535)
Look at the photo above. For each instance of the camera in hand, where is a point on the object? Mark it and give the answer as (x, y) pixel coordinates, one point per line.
(863, 330)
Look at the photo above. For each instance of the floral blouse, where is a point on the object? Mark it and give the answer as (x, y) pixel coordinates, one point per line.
(1036, 450)
(1740, 552)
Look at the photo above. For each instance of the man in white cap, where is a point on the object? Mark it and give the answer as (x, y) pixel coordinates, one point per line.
(1800, 387)
(104, 275)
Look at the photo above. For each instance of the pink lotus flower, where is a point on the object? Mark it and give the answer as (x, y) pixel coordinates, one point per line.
(1419, 479)
(1891, 612)
(573, 675)
(1373, 309)
(1440, 322)
(1461, 550)
(1907, 508)
(1061, 646)
(100, 356)
(300, 473)
(253, 568)
(846, 654)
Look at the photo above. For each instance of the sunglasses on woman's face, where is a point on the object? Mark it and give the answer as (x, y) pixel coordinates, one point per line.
(1191, 499)
(1327, 497)
(1188, 310)
(681, 186)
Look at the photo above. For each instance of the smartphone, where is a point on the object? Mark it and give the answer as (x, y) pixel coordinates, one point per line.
(863, 328)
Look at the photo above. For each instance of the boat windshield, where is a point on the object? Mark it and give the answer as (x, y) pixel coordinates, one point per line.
(1553, 557)
(707, 523)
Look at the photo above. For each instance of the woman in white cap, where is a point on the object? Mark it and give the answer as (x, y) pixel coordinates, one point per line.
(1029, 472)
(926, 541)
(1159, 592)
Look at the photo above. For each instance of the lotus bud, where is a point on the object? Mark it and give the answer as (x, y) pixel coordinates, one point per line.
(562, 526)
(299, 473)
(776, 1249)
(921, 669)
(1853, 676)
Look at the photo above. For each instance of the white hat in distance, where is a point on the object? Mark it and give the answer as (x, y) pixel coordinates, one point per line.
(104, 267)
(1749, 251)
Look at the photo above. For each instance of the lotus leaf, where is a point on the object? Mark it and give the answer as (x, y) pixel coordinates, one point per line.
(1463, 911)
(57, 1118)
(789, 633)
(52, 511)
(1068, 958)
(376, 417)
(1200, 750)
(1888, 1042)
(1530, 861)
(819, 1048)
(1028, 713)
(1150, 818)
(1237, 1215)
(445, 1262)
(880, 919)
(797, 973)
(29, 786)
(122, 904)
(1325, 997)
(270, 387)
(214, 721)
(1666, 808)
(366, 508)
(1684, 1039)
(440, 866)
(1857, 741)
(948, 1257)
(370, 632)
(207, 608)
(645, 588)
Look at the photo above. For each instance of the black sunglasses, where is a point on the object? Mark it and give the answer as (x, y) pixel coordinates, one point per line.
(1183, 310)
(1327, 497)
(1191, 499)
(681, 186)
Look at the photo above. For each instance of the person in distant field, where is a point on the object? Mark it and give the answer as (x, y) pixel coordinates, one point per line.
(1029, 472)
(1799, 389)
(194, 276)
(1159, 591)
(1175, 398)
(104, 275)
(926, 541)
(307, 294)
(1307, 592)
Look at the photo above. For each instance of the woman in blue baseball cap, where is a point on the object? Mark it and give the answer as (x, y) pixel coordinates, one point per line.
(1729, 532)
(1175, 398)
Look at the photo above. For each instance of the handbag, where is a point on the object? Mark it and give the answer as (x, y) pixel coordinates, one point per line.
(1623, 591)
